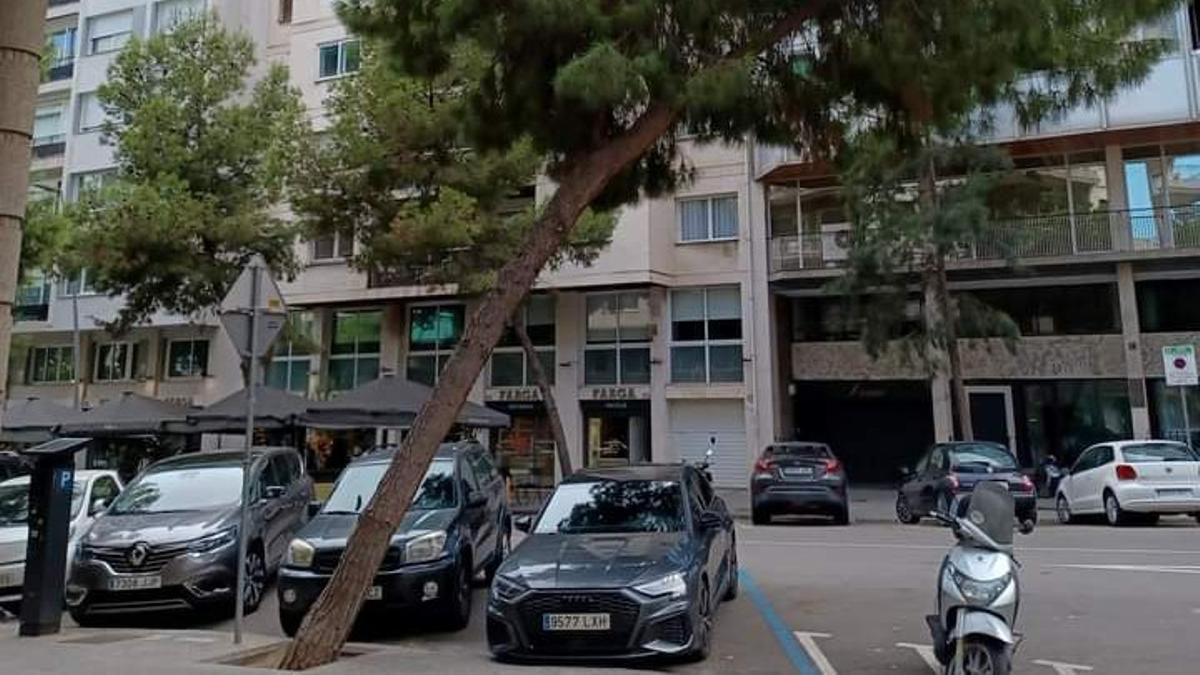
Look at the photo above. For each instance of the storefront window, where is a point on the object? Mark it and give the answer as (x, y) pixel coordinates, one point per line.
(1167, 410)
(354, 351)
(618, 339)
(525, 453)
(617, 433)
(509, 368)
(1061, 310)
(291, 364)
(433, 333)
(1065, 417)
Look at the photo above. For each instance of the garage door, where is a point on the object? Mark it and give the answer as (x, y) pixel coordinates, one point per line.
(693, 423)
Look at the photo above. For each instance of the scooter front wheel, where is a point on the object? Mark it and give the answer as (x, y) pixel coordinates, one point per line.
(981, 656)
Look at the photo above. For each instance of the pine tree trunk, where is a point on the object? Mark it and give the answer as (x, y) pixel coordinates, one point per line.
(958, 388)
(22, 38)
(543, 384)
(328, 622)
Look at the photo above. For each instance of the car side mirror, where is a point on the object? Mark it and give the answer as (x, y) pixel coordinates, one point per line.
(523, 523)
(314, 507)
(477, 500)
(274, 492)
(711, 520)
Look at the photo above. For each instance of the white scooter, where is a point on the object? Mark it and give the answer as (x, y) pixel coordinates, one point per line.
(978, 591)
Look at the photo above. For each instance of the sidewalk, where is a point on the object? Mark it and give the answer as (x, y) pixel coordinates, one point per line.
(199, 652)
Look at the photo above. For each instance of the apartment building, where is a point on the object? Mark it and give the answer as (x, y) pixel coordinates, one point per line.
(1102, 211)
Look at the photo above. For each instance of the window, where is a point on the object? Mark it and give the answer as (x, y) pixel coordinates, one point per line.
(115, 361)
(354, 352)
(333, 246)
(78, 284)
(105, 489)
(33, 298)
(83, 183)
(433, 333)
(618, 339)
(187, 358)
(109, 32)
(706, 335)
(293, 356)
(171, 13)
(509, 368)
(62, 54)
(1091, 309)
(285, 11)
(51, 364)
(708, 219)
(91, 113)
(338, 58)
(1194, 24)
(48, 125)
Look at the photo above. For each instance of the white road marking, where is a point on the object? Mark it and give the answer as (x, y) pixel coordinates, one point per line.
(1061, 668)
(809, 643)
(926, 654)
(1164, 569)
(943, 547)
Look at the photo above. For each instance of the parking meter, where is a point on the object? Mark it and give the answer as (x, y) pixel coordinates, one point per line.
(50, 488)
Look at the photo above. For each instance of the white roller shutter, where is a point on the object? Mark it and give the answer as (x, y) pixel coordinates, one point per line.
(693, 423)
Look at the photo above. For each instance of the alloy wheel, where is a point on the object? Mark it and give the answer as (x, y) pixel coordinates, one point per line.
(1112, 510)
(256, 578)
(903, 511)
(1063, 510)
(977, 660)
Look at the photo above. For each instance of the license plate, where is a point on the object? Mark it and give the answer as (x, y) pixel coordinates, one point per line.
(12, 579)
(1175, 492)
(798, 471)
(134, 583)
(575, 622)
(375, 593)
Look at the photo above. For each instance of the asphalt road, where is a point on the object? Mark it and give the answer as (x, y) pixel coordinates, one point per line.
(823, 600)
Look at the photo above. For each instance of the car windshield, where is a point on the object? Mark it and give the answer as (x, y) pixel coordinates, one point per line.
(14, 504)
(981, 459)
(185, 489)
(799, 451)
(358, 482)
(613, 506)
(1157, 452)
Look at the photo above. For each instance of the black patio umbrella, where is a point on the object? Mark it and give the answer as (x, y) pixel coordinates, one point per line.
(31, 420)
(129, 414)
(273, 409)
(390, 401)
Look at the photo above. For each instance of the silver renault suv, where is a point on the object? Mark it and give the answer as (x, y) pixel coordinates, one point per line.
(170, 540)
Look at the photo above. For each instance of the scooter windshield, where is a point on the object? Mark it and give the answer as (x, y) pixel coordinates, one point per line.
(993, 511)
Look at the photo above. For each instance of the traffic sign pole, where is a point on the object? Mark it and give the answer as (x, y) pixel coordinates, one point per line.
(244, 521)
(1187, 424)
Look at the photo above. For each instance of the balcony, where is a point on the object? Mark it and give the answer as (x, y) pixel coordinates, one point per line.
(1054, 236)
(31, 312)
(61, 70)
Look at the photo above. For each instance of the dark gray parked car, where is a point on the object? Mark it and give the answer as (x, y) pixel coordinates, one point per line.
(798, 478)
(169, 541)
(621, 563)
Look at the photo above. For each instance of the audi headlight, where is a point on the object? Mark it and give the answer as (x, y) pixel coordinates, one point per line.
(505, 589)
(300, 554)
(425, 547)
(213, 541)
(673, 585)
(979, 592)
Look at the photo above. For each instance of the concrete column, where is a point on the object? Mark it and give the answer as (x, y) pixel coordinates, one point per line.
(391, 339)
(568, 377)
(1131, 334)
(939, 383)
(660, 375)
(1118, 200)
(762, 389)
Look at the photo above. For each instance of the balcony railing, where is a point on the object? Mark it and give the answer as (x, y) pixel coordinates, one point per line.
(1061, 235)
(61, 70)
(31, 312)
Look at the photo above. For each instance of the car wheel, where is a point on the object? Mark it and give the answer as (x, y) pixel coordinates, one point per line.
(83, 619)
(904, 512)
(458, 608)
(703, 630)
(503, 548)
(256, 578)
(1063, 510)
(290, 622)
(760, 517)
(731, 586)
(1113, 512)
(842, 517)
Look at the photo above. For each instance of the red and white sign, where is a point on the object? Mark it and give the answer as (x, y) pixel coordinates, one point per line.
(1179, 364)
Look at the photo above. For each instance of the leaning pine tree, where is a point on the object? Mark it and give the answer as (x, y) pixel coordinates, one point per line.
(599, 89)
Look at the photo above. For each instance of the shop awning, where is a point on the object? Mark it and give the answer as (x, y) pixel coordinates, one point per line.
(31, 420)
(129, 414)
(273, 409)
(390, 401)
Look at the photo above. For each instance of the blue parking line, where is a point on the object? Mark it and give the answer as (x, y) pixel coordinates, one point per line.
(787, 640)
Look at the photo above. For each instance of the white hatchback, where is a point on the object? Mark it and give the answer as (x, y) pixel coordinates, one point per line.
(1127, 479)
(92, 492)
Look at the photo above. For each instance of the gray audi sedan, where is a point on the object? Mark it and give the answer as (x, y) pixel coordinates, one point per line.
(170, 540)
(622, 563)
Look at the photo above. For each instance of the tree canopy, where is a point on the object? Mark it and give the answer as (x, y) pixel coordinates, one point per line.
(203, 160)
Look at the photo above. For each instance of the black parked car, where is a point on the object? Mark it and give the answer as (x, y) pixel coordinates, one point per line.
(621, 563)
(458, 527)
(950, 470)
(170, 540)
(798, 478)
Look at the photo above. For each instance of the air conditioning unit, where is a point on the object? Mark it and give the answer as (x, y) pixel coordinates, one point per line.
(835, 243)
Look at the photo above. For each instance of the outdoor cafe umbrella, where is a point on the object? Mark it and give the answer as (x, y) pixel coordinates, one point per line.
(273, 409)
(129, 414)
(31, 420)
(390, 401)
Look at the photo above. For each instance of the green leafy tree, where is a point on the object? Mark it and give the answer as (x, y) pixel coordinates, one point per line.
(599, 89)
(202, 157)
(47, 240)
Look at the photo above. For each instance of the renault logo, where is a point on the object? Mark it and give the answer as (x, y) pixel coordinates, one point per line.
(137, 553)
